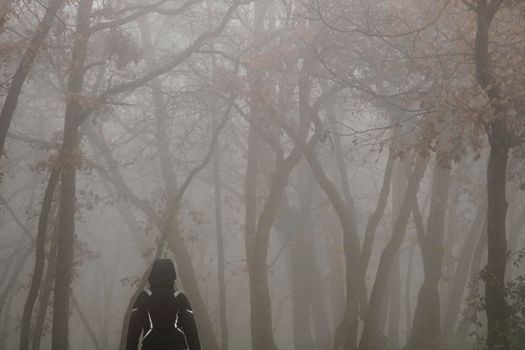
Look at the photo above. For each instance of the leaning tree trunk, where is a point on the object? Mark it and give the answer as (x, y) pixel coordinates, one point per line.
(346, 334)
(47, 287)
(345, 185)
(323, 334)
(258, 231)
(460, 278)
(373, 222)
(294, 236)
(261, 314)
(69, 160)
(11, 100)
(8, 262)
(473, 288)
(451, 233)
(370, 330)
(12, 281)
(5, 331)
(408, 285)
(40, 248)
(260, 304)
(313, 278)
(426, 329)
(65, 255)
(394, 309)
(303, 261)
(301, 290)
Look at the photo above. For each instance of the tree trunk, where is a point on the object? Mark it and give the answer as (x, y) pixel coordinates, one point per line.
(461, 274)
(288, 225)
(346, 334)
(11, 100)
(257, 241)
(8, 262)
(261, 311)
(301, 291)
(313, 278)
(337, 279)
(11, 282)
(188, 278)
(323, 334)
(303, 262)
(426, 329)
(40, 248)
(516, 228)
(498, 135)
(451, 234)
(65, 254)
(220, 247)
(473, 289)
(394, 311)
(345, 185)
(250, 214)
(408, 285)
(496, 305)
(256, 237)
(46, 288)
(373, 222)
(370, 330)
(5, 332)
(69, 158)
(391, 304)
(295, 238)
(305, 277)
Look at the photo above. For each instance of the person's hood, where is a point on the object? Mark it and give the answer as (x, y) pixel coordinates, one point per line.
(162, 274)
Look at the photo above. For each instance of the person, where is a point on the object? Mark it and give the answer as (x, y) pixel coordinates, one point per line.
(162, 314)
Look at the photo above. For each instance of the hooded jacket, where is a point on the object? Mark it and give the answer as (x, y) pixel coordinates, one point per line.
(162, 314)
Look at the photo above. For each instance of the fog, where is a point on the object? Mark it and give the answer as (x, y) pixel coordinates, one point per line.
(325, 175)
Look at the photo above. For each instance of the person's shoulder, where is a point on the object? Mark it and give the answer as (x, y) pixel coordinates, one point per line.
(178, 294)
(181, 298)
(143, 297)
(145, 293)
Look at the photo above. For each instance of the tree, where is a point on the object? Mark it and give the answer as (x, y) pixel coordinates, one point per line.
(38, 39)
(497, 313)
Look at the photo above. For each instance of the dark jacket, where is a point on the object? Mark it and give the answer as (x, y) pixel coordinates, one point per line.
(166, 321)
(162, 314)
